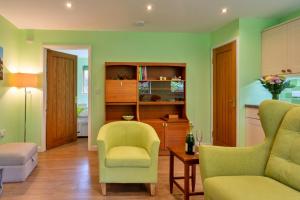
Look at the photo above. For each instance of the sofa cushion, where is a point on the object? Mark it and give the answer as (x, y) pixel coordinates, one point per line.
(247, 188)
(284, 161)
(16, 153)
(127, 156)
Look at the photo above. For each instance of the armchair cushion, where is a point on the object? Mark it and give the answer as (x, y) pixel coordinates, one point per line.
(127, 156)
(247, 188)
(284, 162)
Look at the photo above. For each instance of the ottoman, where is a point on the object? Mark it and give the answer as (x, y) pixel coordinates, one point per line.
(17, 161)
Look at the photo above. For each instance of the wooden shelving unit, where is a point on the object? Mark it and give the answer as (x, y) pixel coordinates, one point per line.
(133, 88)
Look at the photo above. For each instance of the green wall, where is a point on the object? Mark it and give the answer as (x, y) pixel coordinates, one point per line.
(11, 103)
(194, 49)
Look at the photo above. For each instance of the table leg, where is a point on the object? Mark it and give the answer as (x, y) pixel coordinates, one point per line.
(193, 177)
(186, 181)
(171, 176)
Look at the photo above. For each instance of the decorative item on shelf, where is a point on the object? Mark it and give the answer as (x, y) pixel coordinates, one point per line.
(128, 117)
(171, 117)
(275, 84)
(123, 77)
(1, 63)
(176, 78)
(155, 97)
(190, 142)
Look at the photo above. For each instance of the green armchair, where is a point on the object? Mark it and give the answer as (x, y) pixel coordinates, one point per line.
(128, 153)
(269, 171)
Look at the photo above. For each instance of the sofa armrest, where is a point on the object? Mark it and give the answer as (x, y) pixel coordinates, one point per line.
(233, 161)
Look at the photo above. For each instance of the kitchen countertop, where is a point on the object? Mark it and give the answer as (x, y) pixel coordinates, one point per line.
(251, 106)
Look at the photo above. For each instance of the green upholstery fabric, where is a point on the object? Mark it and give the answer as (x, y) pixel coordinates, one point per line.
(284, 162)
(127, 156)
(112, 138)
(247, 188)
(216, 162)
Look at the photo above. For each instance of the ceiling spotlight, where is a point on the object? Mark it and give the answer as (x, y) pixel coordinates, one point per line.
(149, 7)
(224, 10)
(69, 4)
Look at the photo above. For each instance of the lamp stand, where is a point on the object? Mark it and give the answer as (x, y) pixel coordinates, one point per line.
(25, 116)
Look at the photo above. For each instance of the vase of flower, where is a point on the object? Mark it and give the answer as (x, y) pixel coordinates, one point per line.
(275, 84)
(275, 96)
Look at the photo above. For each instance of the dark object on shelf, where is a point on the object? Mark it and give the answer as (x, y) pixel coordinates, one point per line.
(141, 97)
(123, 77)
(155, 98)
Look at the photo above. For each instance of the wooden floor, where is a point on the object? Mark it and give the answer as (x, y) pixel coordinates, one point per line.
(71, 172)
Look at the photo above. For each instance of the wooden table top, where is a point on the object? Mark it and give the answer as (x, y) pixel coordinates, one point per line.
(179, 152)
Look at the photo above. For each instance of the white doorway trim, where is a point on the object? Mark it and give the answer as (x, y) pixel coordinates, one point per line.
(44, 106)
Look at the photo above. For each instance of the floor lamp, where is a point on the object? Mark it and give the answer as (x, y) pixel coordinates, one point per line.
(22, 80)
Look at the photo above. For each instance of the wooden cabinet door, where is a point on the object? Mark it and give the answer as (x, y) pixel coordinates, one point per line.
(254, 131)
(294, 47)
(274, 50)
(175, 134)
(160, 130)
(121, 91)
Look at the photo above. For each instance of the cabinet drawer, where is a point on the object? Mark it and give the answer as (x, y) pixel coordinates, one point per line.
(121, 91)
(252, 113)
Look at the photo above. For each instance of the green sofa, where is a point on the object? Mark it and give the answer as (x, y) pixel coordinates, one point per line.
(269, 171)
(128, 153)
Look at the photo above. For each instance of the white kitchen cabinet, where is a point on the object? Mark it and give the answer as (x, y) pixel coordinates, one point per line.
(293, 54)
(254, 131)
(274, 50)
(281, 49)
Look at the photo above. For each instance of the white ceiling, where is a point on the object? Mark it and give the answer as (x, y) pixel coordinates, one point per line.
(121, 15)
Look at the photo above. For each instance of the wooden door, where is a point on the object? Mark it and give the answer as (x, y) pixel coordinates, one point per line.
(175, 134)
(274, 50)
(121, 91)
(224, 95)
(61, 123)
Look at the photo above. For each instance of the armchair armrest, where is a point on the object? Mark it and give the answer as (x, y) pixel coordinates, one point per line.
(233, 161)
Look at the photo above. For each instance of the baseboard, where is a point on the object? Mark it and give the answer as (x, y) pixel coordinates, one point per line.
(93, 148)
(40, 149)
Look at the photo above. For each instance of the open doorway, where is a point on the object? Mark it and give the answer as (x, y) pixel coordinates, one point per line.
(67, 127)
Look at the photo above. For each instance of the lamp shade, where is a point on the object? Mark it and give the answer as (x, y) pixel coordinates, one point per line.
(23, 80)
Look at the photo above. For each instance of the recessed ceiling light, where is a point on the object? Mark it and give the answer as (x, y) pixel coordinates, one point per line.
(149, 7)
(224, 10)
(69, 4)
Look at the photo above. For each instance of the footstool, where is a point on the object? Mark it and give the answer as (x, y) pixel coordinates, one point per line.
(17, 161)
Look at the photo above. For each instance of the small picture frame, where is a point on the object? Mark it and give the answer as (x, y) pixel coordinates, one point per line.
(1, 63)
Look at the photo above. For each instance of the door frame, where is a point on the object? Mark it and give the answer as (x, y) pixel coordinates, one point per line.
(44, 82)
(236, 39)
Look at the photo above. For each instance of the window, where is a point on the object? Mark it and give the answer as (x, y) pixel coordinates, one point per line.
(85, 80)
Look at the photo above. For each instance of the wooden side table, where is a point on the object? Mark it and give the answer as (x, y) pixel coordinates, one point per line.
(189, 161)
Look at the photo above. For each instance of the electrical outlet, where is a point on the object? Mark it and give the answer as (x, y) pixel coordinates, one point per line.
(2, 133)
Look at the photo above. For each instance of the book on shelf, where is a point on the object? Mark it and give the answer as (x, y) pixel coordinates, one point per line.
(143, 73)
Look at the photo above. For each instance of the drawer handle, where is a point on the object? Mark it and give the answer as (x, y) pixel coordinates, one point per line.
(289, 70)
(283, 71)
